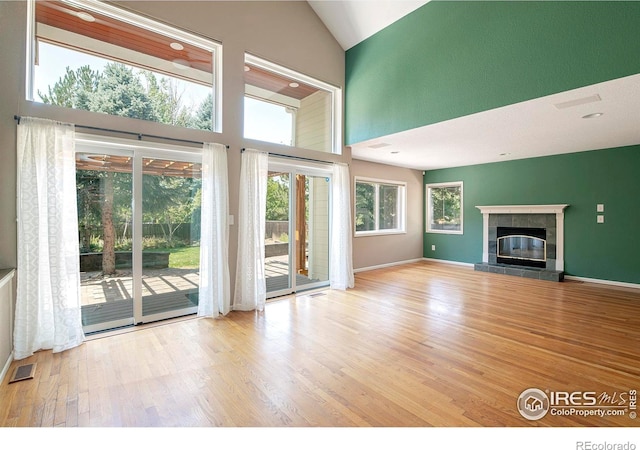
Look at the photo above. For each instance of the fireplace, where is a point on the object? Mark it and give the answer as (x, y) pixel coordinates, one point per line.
(521, 246)
(523, 240)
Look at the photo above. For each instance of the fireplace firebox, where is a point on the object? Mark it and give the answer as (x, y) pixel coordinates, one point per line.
(522, 246)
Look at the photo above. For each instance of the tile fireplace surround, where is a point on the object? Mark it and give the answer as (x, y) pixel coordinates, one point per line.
(550, 217)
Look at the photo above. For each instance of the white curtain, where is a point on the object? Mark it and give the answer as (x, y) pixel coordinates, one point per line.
(251, 290)
(48, 314)
(341, 262)
(214, 296)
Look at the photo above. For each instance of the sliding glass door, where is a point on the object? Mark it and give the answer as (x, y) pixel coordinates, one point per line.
(297, 227)
(139, 232)
(105, 209)
(170, 237)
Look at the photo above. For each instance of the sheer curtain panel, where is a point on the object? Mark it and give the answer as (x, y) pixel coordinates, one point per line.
(251, 289)
(48, 312)
(214, 296)
(341, 262)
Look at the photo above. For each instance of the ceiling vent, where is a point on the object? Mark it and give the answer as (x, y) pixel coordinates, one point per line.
(578, 102)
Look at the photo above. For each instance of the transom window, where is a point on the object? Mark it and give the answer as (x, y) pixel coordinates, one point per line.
(96, 57)
(288, 108)
(380, 207)
(444, 208)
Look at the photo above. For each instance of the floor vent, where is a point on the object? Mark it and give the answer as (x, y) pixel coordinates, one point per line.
(317, 294)
(25, 372)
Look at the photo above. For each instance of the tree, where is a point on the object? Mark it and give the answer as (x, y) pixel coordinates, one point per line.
(121, 93)
(108, 228)
(74, 89)
(365, 206)
(121, 90)
(166, 101)
(204, 115)
(278, 198)
(170, 201)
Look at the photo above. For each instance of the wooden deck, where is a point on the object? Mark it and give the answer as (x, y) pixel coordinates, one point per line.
(420, 345)
(110, 299)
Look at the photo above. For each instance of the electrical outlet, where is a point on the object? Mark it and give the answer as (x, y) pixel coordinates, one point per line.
(600, 207)
(433, 248)
(600, 218)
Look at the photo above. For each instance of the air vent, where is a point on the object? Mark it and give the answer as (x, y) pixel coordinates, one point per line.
(578, 102)
(318, 294)
(379, 145)
(25, 372)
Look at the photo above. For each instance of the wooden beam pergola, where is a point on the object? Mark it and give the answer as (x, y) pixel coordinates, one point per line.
(124, 164)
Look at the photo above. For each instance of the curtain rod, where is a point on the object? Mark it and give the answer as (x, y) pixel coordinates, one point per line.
(139, 135)
(295, 157)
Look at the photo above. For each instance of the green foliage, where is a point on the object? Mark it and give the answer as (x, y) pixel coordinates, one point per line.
(204, 115)
(445, 203)
(121, 93)
(74, 89)
(365, 206)
(388, 207)
(278, 198)
(171, 202)
(121, 90)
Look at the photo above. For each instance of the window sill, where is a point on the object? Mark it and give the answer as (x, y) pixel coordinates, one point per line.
(444, 232)
(378, 233)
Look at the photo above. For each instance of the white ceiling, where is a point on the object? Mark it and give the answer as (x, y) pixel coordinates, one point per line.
(524, 130)
(352, 21)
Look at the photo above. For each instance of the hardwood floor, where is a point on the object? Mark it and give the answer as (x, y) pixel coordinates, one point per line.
(419, 345)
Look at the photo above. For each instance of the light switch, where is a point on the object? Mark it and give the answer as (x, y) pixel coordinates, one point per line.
(600, 207)
(600, 218)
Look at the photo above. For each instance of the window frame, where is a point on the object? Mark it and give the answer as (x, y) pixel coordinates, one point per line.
(140, 21)
(402, 206)
(429, 206)
(335, 91)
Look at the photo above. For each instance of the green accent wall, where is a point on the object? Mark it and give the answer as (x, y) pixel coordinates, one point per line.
(608, 251)
(449, 59)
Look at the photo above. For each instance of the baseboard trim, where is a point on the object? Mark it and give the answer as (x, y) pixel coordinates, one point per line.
(607, 282)
(5, 369)
(382, 266)
(446, 261)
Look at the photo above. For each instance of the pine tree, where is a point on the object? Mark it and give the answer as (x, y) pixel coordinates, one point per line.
(121, 93)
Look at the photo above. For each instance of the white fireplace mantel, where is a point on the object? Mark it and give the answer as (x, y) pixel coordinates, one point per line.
(522, 209)
(558, 210)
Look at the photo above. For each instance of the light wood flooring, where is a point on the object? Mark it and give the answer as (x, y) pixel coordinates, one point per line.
(418, 345)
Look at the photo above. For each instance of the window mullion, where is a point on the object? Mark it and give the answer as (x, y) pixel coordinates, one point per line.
(376, 206)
